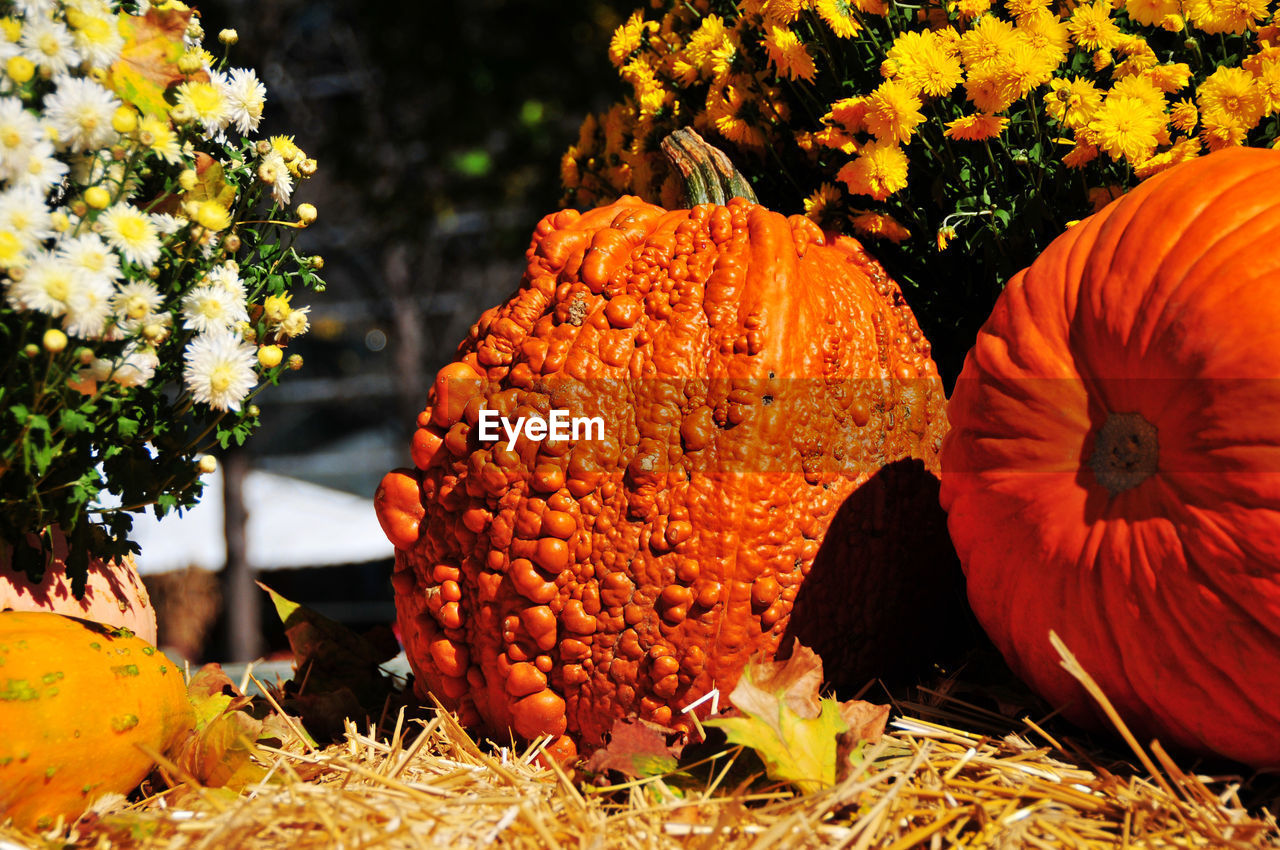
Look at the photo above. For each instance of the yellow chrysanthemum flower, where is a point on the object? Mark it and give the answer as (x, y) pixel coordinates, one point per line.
(729, 108)
(1024, 68)
(850, 113)
(1225, 16)
(1081, 155)
(976, 128)
(1138, 55)
(987, 88)
(1092, 28)
(712, 47)
(1139, 88)
(879, 226)
(1220, 130)
(1268, 77)
(818, 206)
(838, 15)
(879, 171)
(788, 54)
(1182, 151)
(924, 64)
(1235, 94)
(837, 139)
(969, 9)
(893, 112)
(1169, 78)
(627, 39)
(1150, 12)
(1047, 33)
(1020, 10)
(1126, 128)
(781, 12)
(1184, 116)
(985, 40)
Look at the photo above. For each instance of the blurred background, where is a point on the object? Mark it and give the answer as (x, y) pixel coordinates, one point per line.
(438, 128)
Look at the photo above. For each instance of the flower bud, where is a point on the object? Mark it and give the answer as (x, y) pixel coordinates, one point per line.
(228, 36)
(253, 411)
(125, 120)
(20, 69)
(295, 362)
(97, 197)
(306, 214)
(54, 341)
(231, 243)
(208, 464)
(269, 356)
(316, 262)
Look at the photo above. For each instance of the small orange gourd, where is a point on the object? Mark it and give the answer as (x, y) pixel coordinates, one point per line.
(77, 698)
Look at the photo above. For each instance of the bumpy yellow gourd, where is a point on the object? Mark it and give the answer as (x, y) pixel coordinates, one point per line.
(76, 700)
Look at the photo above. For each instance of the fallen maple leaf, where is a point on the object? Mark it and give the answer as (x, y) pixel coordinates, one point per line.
(802, 738)
(148, 62)
(338, 673)
(219, 752)
(638, 749)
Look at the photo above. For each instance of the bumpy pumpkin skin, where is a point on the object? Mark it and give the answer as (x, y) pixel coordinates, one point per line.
(76, 700)
(751, 374)
(114, 593)
(1163, 578)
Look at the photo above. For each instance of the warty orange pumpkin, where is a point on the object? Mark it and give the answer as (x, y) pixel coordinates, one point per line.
(771, 422)
(1112, 469)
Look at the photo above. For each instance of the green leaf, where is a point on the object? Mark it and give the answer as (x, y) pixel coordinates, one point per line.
(797, 750)
(126, 427)
(73, 421)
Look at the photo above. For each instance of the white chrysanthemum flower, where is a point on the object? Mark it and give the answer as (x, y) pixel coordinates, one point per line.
(42, 169)
(35, 8)
(296, 323)
(227, 278)
(89, 308)
(167, 223)
(220, 369)
(274, 171)
(210, 307)
(91, 257)
(131, 232)
(136, 302)
(80, 111)
(24, 213)
(48, 285)
(208, 101)
(19, 133)
(247, 96)
(135, 366)
(48, 44)
(97, 36)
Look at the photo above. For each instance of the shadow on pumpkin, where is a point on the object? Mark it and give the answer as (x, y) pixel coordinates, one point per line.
(885, 595)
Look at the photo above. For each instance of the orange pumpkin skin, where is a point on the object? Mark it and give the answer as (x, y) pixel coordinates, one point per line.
(114, 593)
(1152, 549)
(753, 375)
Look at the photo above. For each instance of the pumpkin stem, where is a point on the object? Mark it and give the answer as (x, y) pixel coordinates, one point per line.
(1125, 453)
(709, 176)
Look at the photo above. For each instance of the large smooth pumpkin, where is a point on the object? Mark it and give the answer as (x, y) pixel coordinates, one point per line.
(1112, 471)
(771, 422)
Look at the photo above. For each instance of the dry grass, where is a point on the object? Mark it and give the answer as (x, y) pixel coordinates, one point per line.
(923, 785)
(427, 783)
